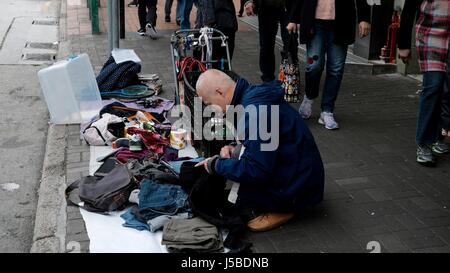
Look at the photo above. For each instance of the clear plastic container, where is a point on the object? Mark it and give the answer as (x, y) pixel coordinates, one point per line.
(71, 91)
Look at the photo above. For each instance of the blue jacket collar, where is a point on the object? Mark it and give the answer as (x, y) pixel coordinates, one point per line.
(241, 86)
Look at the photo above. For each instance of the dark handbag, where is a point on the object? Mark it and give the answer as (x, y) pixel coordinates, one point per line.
(103, 194)
(290, 70)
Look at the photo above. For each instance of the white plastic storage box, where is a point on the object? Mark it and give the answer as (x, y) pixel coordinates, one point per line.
(70, 90)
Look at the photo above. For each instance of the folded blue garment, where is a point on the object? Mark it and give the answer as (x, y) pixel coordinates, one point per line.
(132, 222)
(156, 200)
(176, 165)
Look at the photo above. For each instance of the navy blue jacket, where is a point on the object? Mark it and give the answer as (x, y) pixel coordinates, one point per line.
(288, 178)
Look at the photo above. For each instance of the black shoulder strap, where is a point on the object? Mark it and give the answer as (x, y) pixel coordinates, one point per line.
(69, 190)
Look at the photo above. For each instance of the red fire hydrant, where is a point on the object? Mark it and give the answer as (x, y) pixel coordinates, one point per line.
(388, 52)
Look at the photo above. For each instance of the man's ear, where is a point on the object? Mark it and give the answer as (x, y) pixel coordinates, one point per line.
(219, 91)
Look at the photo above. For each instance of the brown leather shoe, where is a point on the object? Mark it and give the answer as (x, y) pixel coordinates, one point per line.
(268, 221)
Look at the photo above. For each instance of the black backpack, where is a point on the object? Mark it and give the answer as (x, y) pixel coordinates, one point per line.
(103, 194)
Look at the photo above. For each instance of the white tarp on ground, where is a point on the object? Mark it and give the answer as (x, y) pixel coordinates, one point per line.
(106, 233)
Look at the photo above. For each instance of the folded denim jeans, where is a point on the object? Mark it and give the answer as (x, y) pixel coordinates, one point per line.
(153, 225)
(132, 221)
(161, 199)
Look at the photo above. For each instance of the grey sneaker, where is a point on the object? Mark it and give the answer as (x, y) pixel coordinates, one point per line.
(152, 31)
(425, 155)
(305, 108)
(440, 147)
(327, 119)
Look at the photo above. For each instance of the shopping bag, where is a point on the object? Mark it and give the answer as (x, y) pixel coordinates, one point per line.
(290, 70)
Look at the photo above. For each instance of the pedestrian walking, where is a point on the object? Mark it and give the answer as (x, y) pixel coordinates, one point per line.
(221, 15)
(432, 42)
(327, 27)
(184, 12)
(147, 17)
(168, 10)
(271, 15)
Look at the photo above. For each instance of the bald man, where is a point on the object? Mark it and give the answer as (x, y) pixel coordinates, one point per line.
(275, 182)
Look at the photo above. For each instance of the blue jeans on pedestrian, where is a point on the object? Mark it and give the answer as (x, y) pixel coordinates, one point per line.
(320, 45)
(180, 9)
(428, 120)
(184, 12)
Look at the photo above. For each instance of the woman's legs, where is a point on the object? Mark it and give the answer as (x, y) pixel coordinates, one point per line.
(336, 55)
(429, 115)
(430, 108)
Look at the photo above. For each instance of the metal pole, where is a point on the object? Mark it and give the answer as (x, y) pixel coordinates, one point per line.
(110, 26)
(115, 23)
(122, 19)
(94, 16)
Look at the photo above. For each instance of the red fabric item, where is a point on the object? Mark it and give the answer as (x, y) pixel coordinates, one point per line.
(152, 141)
(124, 154)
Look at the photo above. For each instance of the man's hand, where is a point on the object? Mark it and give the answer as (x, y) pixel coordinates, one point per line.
(364, 29)
(404, 54)
(249, 9)
(208, 164)
(292, 28)
(204, 163)
(226, 151)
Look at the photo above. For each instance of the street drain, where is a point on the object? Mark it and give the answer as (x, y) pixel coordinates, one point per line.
(45, 22)
(39, 57)
(42, 45)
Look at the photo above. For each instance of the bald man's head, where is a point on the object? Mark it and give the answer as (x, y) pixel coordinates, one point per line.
(215, 88)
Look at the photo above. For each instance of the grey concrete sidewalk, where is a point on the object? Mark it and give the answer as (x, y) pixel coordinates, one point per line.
(374, 189)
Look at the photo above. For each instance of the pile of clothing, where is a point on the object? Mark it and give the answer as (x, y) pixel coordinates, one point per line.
(164, 202)
(163, 190)
(136, 132)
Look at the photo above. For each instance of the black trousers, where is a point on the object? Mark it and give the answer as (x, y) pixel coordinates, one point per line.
(241, 9)
(168, 7)
(269, 18)
(147, 16)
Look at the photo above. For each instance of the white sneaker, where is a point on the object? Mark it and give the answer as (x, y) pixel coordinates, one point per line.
(327, 119)
(305, 108)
